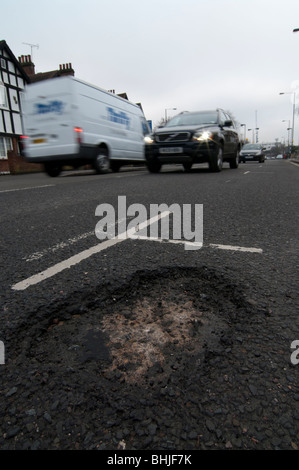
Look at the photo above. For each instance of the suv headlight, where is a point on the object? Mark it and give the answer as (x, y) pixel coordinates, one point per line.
(149, 139)
(203, 136)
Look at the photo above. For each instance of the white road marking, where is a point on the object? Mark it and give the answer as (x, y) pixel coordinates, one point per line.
(246, 172)
(236, 248)
(73, 260)
(212, 245)
(57, 268)
(70, 241)
(24, 189)
(166, 240)
(58, 246)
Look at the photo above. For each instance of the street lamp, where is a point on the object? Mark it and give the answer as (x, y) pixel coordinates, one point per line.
(294, 106)
(288, 129)
(168, 109)
(244, 125)
(252, 134)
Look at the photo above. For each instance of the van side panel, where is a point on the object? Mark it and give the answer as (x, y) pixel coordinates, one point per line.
(113, 121)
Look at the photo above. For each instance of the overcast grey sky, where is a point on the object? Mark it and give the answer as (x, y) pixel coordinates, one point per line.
(190, 55)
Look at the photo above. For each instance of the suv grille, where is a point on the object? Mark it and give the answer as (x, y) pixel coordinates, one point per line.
(173, 137)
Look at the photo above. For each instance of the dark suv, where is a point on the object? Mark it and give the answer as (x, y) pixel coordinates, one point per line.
(194, 137)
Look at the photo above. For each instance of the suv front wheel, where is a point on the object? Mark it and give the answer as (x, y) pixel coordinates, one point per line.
(216, 160)
(234, 163)
(154, 166)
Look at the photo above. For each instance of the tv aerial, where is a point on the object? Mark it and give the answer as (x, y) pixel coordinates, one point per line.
(31, 45)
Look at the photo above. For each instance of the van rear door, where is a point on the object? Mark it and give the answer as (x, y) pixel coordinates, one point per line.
(48, 121)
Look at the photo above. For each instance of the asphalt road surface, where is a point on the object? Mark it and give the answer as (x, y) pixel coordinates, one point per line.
(142, 343)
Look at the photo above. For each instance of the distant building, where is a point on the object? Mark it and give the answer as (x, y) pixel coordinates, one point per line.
(29, 68)
(13, 78)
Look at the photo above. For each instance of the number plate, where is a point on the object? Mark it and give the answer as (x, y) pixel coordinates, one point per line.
(39, 141)
(168, 150)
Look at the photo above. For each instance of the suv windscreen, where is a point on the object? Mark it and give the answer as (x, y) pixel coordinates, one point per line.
(191, 119)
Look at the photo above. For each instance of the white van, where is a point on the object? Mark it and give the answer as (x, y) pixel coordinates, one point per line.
(68, 122)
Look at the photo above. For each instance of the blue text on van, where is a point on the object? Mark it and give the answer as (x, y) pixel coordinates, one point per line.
(120, 118)
(51, 107)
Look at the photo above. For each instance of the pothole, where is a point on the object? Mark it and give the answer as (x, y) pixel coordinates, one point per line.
(157, 324)
(155, 332)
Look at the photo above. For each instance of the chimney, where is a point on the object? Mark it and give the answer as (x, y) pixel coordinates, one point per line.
(28, 66)
(66, 69)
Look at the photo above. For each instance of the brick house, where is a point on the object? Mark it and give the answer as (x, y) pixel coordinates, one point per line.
(12, 81)
(14, 75)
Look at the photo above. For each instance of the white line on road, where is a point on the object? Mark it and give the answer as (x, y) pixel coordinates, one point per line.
(73, 260)
(58, 246)
(236, 248)
(167, 240)
(212, 245)
(24, 189)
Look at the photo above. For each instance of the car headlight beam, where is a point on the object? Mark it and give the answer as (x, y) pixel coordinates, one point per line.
(148, 139)
(203, 136)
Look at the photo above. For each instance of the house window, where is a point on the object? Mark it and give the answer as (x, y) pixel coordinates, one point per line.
(5, 146)
(3, 97)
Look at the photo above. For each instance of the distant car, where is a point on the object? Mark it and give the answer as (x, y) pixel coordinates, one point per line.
(279, 157)
(194, 137)
(252, 152)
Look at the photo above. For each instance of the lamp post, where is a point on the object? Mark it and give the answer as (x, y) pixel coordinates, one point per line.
(244, 125)
(256, 134)
(168, 109)
(288, 129)
(252, 134)
(256, 128)
(294, 106)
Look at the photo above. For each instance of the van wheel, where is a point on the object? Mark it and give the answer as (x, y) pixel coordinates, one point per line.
(187, 166)
(53, 169)
(101, 162)
(115, 166)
